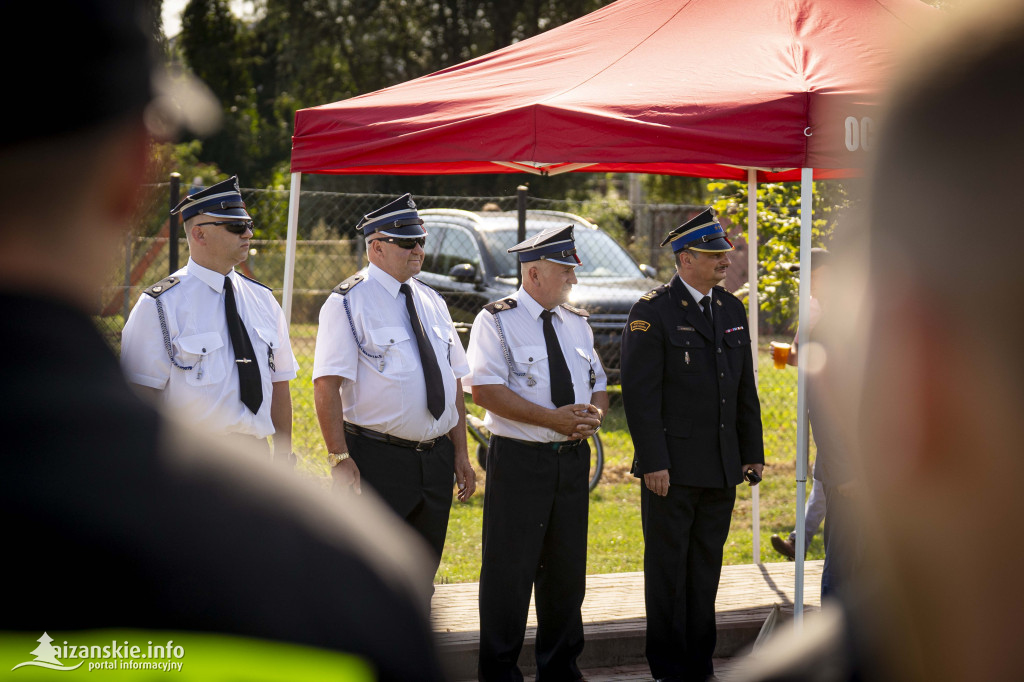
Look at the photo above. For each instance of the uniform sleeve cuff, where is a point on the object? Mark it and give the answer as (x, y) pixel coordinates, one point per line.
(331, 372)
(147, 381)
(283, 376)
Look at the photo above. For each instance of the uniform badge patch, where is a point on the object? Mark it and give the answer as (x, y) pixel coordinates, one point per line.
(639, 326)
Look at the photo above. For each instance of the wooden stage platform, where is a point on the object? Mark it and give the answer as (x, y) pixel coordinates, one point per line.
(614, 619)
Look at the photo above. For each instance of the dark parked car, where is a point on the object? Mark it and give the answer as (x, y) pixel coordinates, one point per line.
(467, 261)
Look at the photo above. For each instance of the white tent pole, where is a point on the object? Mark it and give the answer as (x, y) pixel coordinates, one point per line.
(289, 261)
(754, 305)
(806, 216)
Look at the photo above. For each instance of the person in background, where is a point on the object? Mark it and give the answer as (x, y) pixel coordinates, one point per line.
(210, 342)
(695, 419)
(814, 510)
(387, 380)
(535, 371)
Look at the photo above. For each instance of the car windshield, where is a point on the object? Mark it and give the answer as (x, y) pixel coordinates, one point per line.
(601, 255)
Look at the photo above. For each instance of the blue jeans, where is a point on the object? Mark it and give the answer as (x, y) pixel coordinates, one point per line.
(843, 544)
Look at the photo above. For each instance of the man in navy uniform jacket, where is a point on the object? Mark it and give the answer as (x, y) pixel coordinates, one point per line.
(695, 419)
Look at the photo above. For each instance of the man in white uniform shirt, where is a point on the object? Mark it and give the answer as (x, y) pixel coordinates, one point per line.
(534, 369)
(210, 342)
(387, 380)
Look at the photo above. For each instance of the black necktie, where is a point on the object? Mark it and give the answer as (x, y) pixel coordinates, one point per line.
(428, 359)
(561, 381)
(250, 385)
(706, 304)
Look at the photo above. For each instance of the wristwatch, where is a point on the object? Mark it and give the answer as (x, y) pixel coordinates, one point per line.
(336, 458)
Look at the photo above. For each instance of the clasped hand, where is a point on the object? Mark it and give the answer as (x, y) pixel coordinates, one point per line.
(579, 421)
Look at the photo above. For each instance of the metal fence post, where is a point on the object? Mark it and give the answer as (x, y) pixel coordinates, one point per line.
(521, 236)
(126, 309)
(172, 226)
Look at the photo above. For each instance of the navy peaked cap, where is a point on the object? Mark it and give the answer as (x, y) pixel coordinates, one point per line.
(397, 219)
(555, 244)
(223, 200)
(700, 233)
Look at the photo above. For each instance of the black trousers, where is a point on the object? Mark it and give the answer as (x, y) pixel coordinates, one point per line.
(416, 485)
(536, 505)
(684, 537)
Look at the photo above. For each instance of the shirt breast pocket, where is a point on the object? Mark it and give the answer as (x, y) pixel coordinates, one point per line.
(588, 361)
(688, 346)
(737, 339)
(203, 353)
(533, 361)
(397, 349)
(446, 336)
(271, 342)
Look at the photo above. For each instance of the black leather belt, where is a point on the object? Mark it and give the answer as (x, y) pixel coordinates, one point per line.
(559, 446)
(418, 446)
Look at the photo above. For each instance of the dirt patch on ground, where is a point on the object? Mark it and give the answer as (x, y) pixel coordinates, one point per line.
(616, 472)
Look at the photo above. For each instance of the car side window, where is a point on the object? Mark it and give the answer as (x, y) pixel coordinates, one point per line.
(435, 237)
(458, 246)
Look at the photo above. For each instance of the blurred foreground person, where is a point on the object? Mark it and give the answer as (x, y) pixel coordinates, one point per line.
(172, 532)
(937, 384)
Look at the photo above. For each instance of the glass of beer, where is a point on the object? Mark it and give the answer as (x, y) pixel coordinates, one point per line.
(780, 354)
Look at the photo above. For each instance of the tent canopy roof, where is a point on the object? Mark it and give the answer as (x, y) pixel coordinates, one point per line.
(694, 87)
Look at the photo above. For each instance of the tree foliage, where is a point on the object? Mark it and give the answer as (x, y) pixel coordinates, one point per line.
(301, 53)
(778, 236)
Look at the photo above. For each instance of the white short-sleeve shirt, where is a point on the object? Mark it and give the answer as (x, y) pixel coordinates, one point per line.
(371, 346)
(207, 393)
(525, 368)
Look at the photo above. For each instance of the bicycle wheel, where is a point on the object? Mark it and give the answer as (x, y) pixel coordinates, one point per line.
(476, 429)
(596, 460)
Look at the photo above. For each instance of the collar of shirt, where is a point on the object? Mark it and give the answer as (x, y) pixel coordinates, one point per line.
(696, 294)
(212, 279)
(390, 284)
(532, 307)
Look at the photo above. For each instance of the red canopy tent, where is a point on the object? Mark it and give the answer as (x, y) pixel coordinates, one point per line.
(700, 87)
(756, 89)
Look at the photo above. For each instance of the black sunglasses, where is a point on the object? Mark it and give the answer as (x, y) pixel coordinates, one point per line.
(407, 243)
(233, 226)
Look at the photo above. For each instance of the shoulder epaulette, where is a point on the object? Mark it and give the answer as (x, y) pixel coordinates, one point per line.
(654, 293)
(162, 286)
(254, 281)
(726, 293)
(504, 304)
(430, 288)
(579, 311)
(348, 284)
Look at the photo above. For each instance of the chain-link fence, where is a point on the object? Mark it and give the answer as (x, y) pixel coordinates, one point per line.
(466, 260)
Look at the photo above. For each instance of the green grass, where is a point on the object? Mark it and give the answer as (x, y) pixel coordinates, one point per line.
(615, 542)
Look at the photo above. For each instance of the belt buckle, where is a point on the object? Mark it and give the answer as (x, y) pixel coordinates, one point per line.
(566, 447)
(424, 445)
